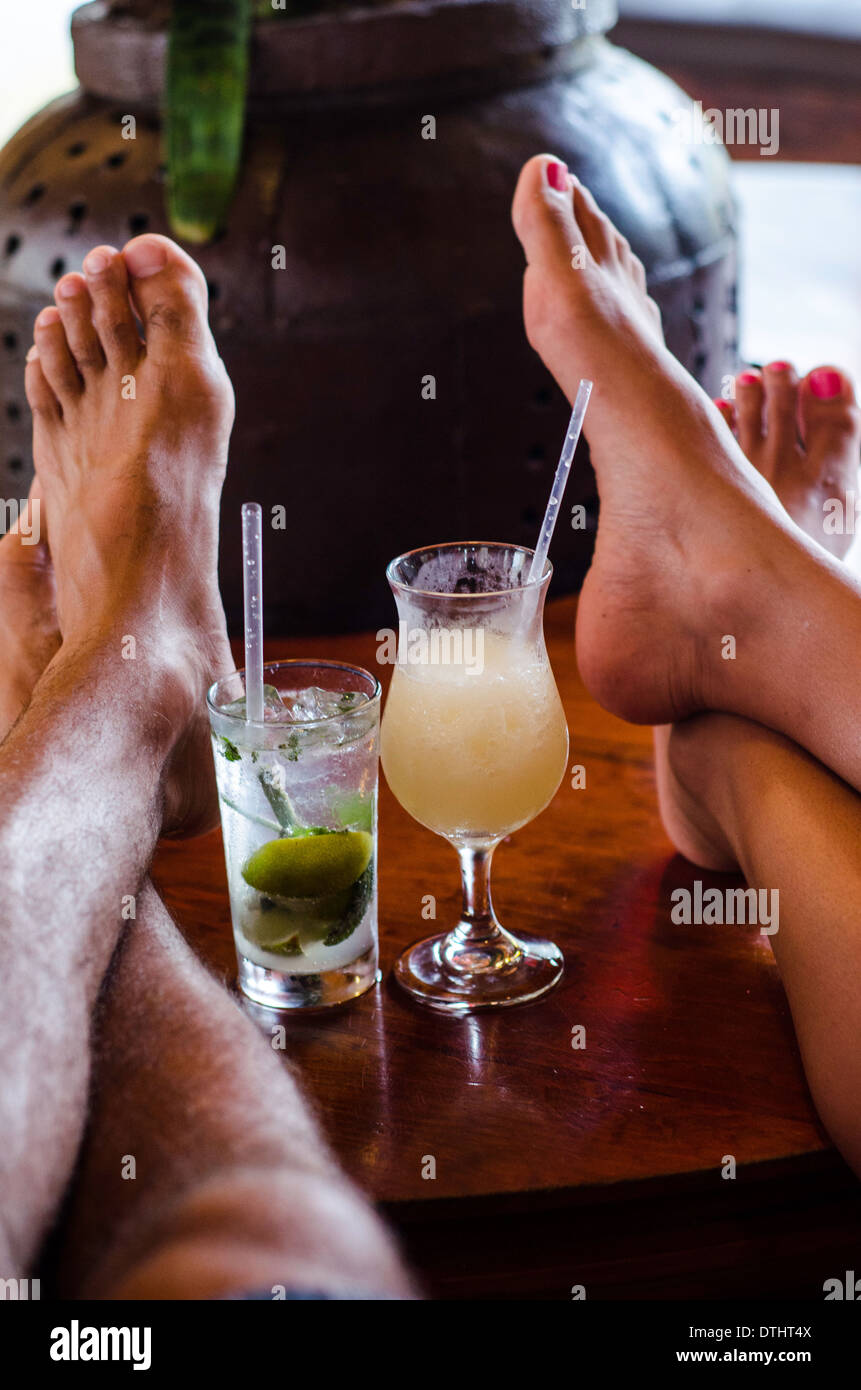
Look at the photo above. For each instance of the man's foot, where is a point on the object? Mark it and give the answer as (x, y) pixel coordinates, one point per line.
(804, 437)
(29, 633)
(131, 428)
(682, 510)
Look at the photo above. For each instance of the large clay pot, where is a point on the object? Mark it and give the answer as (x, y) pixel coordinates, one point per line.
(400, 264)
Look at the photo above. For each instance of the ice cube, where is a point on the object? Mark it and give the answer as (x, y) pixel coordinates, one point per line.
(275, 711)
(302, 706)
(316, 703)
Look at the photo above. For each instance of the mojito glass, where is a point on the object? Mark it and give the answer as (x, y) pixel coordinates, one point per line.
(298, 797)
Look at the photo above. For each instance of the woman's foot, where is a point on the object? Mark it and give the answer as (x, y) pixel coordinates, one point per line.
(700, 583)
(804, 437)
(29, 633)
(132, 414)
(682, 510)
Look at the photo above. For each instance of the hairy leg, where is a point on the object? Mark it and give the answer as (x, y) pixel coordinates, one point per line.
(233, 1187)
(89, 773)
(81, 804)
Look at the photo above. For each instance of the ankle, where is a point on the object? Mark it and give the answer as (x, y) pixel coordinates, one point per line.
(132, 676)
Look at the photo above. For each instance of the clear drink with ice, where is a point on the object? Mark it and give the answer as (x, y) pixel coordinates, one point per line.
(298, 797)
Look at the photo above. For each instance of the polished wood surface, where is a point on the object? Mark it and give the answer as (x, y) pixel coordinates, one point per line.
(690, 1052)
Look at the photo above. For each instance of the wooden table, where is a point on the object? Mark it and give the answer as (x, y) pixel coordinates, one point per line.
(558, 1166)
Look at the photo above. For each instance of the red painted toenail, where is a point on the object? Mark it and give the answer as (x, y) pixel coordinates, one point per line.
(557, 176)
(146, 256)
(747, 379)
(825, 384)
(779, 366)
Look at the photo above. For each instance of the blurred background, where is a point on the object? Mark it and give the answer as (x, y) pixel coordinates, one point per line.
(801, 280)
(751, 252)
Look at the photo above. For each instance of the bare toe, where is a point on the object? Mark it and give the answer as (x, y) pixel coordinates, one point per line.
(108, 285)
(727, 410)
(169, 290)
(781, 410)
(58, 364)
(543, 212)
(76, 311)
(40, 397)
(601, 237)
(830, 425)
(748, 409)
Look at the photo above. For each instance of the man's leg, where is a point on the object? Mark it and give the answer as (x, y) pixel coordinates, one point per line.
(131, 486)
(232, 1188)
(232, 1185)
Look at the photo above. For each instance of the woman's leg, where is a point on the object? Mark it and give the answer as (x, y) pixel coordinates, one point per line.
(693, 547)
(753, 798)
(734, 794)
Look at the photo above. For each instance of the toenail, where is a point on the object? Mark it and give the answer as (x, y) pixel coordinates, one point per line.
(825, 384)
(778, 366)
(67, 289)
(96, 262)
(47, 317)
(747, 379)
(32, 354)
(557, 176)
(145, 257)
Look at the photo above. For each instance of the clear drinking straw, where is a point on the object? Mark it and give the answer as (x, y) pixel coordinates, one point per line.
(252, 554)
(575, 425)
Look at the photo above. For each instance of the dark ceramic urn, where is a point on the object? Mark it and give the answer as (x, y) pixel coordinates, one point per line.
(363, 258)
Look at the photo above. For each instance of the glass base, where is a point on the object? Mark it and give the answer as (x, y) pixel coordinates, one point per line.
(447, 973)
(275, 989)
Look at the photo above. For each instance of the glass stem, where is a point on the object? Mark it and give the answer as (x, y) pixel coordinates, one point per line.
(478, 922)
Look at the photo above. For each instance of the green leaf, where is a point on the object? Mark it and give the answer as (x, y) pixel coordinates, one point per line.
(362, 890)
(204, 118)
(280, 803)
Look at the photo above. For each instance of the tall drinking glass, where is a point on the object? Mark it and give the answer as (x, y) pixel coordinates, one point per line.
(298, 794)
(474, 745)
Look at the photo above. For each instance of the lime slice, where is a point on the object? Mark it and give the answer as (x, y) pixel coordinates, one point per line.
(309, 866)
(275, 924)
(290, 947)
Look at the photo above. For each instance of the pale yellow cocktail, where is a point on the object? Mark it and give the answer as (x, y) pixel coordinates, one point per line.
(474, 745)
(475, 751)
